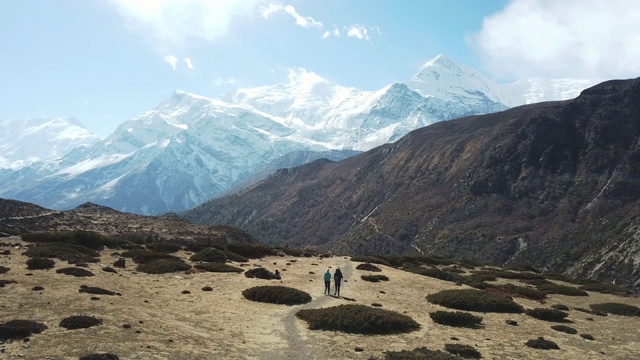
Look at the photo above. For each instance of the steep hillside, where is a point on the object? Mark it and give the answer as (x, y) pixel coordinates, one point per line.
(555, 184)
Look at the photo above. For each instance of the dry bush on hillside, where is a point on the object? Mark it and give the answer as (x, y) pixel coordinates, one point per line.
(260, 273)
(75, 271)
(251, 251)
(277, 295)
(209, 255)
(97, 291)
(100, 356)
(547, 314)
(4, 269)
(560, 307)
(40, 263)
(475, 300)
(374, 278)
(368, 267)
(456, 319)
(541, 343)
(421, 353)
(464, 351)
(358, 319)
(565, 329)
(562, 290)
(20, 329)
(617, 309)
(369, 259)
(217, 267)
(520, 291)
(87, 239)
(65, 252)
(604, 288)
(163, 266)
(141, 256)
(80, 322)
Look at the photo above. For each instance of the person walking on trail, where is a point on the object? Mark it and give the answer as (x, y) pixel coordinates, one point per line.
(337, 281)
(327, 282)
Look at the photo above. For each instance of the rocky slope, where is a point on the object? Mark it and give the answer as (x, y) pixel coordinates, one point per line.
(555, 184)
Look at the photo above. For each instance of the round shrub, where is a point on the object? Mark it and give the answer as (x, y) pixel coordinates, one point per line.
(75, 271)
(475, 300)
(163, 266)
(358, 319)
(456, 318)
(587, 336)
(37, 288)
(251, 251)
(435, 273)
(368, 267)
(40, 263)
(80, 322)
(109, 270)
(165, 247)
(535, 282)
(520, 291)
(541, 343)
(260, 273)
(565, 329)
(231, 256)
(421, 353)
(209, 255)
(562, 290)
(141, 256)
(97, 291)
(465, 351)
(560, 307)
(605, 288)
(207, 288)
(101, 356)
(20, 329)
(547, 314)
(277, 295)
(65, 252)
(374, 278)
(4, 269)
(617, 309)
(591, 312)
(369, 259)
(217, 267)
(4, 282)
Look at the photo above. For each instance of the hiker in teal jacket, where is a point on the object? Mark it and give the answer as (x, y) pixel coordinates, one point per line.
(327, 282)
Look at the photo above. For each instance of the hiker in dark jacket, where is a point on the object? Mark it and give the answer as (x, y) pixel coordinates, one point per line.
(337, 279)
(327, 282)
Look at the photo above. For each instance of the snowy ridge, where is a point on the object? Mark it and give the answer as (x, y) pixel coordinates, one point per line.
(191, 148)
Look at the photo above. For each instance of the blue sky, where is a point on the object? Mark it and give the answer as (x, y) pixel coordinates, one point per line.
(103, 61)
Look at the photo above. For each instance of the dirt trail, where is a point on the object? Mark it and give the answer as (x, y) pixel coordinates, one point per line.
(299, 346)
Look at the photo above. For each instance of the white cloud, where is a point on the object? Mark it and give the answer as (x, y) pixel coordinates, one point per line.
(187, 61)
(172, 22)
(569, 38)
(220, 81)
(303, 21)
(172, 60)
(333, 32)
(362, 32)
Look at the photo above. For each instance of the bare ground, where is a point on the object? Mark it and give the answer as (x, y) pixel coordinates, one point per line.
(221, 324)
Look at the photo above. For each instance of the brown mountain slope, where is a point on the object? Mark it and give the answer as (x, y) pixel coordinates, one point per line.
(553, 184)
(17, 217)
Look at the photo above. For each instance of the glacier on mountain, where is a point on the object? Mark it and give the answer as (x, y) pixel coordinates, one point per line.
(191, 148)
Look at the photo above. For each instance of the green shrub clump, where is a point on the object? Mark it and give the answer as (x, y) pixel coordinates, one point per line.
(141, 256)
(97, 291)
(39, 263)
(100, 356)
(260, 273)
(163, 266)
(217, 267)
(435, 273)
(541, 343)
(547, 314)
(20, 329)
(456, 318)
(209, 255)
(277, 295)
(421, 353)
(374, 278)
(475, 300)
(251, 251)
(75, 271)
(87, 239)
(65, 252)
(604, 288)
(369, 259)
(80, 322)
(520, 291)
(358, 319)
(4, 269)
(368, 267)
(465, 351)
(565, 329)
(552, 288)
(617, 309)
(511, 274)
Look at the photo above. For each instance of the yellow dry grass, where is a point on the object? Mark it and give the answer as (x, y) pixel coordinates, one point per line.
(221, 324)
